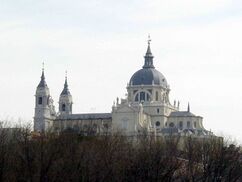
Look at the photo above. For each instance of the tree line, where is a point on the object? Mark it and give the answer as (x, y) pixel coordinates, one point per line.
(69, 156)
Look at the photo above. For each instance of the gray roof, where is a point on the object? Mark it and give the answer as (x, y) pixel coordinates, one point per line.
(65, 90)
(181, 114)
(148, 76)
(42, 82)
(174, 130)
(86, 116)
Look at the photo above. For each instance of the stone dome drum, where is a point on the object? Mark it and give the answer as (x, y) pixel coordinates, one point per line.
(148, 75)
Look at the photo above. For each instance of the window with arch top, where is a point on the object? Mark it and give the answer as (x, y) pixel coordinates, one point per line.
(142, 97)
(63, 107)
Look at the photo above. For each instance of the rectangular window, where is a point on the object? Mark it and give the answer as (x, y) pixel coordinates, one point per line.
(195, 124)
(40, 100)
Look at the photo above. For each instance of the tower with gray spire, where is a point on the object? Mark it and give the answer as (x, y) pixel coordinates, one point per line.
(44, 108)
(65, 100)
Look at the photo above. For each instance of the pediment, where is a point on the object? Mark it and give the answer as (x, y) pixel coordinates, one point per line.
(126, 108)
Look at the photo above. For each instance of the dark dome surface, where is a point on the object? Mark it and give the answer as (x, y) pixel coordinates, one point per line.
(148, 76)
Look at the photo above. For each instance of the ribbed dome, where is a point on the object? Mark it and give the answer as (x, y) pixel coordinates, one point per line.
(148, 76)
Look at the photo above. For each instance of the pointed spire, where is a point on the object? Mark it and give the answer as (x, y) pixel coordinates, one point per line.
(42, 82)
(65, 91)
(66, 85)
(148, 56)
(188, 107)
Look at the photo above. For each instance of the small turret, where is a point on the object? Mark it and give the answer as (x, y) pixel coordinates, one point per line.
(65, 100)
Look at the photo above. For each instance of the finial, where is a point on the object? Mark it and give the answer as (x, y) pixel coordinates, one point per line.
(42, 81)
(188, 107)
(66, 75)
(149, 39)
(66, 85)
(43, 66)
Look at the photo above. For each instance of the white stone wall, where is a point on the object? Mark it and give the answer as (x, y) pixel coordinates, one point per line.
(83, 125)
(195, 122)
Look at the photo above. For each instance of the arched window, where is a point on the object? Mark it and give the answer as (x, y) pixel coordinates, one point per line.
(142, 96)
(63, 107)
(158, 110)
(157, 124)
(40, 100)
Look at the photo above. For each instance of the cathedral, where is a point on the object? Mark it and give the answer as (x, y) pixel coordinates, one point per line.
(146, 108)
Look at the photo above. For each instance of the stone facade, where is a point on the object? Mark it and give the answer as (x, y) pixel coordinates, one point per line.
(146, 108)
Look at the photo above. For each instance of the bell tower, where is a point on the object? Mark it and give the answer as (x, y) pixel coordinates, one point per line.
(65, 100)
(44, 111)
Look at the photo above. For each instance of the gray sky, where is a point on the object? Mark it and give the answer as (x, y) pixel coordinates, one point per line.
(196, 43)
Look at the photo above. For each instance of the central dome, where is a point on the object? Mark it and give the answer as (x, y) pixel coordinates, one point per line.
(148, 75)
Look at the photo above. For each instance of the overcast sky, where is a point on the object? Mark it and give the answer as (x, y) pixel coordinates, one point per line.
(197, 46)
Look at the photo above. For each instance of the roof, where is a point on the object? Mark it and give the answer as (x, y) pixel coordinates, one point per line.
(182, 114)
(174, 130)
(42, 83)
(86, 116)
(65, 90)
(148, 76)
(170, 130)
